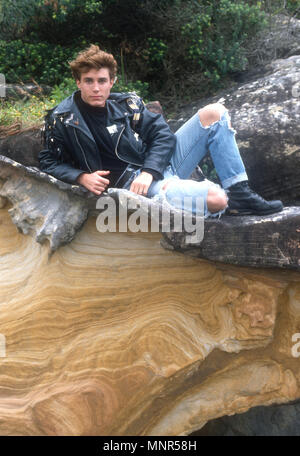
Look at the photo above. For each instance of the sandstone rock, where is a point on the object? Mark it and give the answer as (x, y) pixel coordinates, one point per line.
(52, 210)
(113, 335)
(110, 334)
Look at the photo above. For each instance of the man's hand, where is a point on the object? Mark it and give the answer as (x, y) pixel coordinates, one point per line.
(141, 184)
(94, 182)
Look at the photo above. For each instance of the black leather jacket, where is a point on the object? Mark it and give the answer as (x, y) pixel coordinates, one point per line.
(70, 149)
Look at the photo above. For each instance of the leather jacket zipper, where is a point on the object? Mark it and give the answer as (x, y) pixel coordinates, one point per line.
(82, 150)
(116, 148)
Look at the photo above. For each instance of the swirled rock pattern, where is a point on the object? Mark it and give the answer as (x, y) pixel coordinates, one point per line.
(110, 334)
(113, 335)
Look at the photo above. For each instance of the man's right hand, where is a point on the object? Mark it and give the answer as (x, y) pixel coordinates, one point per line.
(94, 182)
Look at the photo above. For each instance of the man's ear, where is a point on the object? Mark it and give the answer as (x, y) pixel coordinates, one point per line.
(78, 83)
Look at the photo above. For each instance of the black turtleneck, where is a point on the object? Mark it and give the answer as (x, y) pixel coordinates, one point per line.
(96, 119)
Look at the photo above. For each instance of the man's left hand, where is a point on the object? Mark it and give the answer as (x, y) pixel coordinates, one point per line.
(141, 184)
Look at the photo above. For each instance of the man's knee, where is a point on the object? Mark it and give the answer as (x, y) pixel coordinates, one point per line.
(211, 113)
(216, 199)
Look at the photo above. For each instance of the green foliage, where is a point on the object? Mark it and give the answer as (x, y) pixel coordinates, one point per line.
(291, 7)
(170, 48)
(141, 88)
(14, 17)
(63, 90)
(216, 37)
(156, 50)
(22, 61)
(61, 11)
(28, 113)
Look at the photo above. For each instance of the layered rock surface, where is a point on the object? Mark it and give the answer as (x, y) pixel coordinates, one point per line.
(113, 335)
(110, 334)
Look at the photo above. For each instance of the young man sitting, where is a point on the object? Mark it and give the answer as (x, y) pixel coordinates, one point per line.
(100, 139)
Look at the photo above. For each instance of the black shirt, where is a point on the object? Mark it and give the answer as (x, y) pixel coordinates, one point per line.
(96, 119)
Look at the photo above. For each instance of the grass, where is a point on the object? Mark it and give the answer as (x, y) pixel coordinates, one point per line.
(16, 115)
(27, 113)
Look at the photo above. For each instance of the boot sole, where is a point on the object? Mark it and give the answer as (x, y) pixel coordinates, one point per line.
(237, 212)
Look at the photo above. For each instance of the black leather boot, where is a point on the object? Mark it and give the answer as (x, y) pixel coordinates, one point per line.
(244, 201)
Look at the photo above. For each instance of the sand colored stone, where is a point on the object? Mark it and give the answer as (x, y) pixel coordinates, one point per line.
(113, 335)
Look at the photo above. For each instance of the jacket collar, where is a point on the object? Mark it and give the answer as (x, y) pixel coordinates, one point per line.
(71, 115)
(115, 111)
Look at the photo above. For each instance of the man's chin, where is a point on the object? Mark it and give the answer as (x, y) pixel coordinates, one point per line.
(99, 103)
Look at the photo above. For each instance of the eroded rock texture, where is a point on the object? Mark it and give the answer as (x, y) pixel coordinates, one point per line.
(51, 210)
(272, 241)
(113, 335)
(110, 334)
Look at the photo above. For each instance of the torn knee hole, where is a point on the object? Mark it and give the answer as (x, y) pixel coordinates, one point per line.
(165, 185)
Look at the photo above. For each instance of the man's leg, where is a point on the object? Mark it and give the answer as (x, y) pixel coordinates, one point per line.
(210, 129)
(191, 147)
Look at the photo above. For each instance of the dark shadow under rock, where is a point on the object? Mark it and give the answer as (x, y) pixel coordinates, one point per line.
(272, 420)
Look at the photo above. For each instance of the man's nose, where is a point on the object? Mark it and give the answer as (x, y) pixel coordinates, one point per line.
(96, 87)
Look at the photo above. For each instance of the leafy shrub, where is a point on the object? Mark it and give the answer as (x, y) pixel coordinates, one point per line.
(28, 113)
(63, 90)
(177, 47)
(22, 61)
(141, 88)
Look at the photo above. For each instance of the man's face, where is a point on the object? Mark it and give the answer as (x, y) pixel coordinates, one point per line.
(95, 86)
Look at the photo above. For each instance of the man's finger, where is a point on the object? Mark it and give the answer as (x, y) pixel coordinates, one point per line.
(98, 187)
(102, 172)
(102, 179)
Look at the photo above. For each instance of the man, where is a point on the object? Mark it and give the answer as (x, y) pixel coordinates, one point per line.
(99, 139)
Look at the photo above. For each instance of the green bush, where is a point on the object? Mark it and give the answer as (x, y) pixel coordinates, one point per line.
(141, 88)
(24, 61)
(63, 90)
(217, 37)
(171, 48)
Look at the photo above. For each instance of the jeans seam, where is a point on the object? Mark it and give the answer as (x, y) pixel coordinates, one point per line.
(186, 156)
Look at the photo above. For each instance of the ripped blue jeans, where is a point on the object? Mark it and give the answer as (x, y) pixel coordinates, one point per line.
(193, 142)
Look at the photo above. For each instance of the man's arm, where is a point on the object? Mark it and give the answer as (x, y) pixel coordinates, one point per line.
(55, 158)
(155, 131)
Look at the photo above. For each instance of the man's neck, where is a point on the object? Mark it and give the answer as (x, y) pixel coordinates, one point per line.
(90, 108)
